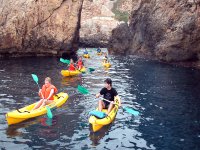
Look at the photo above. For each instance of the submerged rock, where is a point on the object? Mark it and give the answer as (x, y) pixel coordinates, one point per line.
(37, 27)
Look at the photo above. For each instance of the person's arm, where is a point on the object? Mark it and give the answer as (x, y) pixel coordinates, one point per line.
(51, 93)
(40, 93)
(98, 95)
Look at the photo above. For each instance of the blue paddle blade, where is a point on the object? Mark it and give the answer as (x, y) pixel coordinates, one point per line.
(49, 113)
(131, 111)
(35, 78)
(82, 90)
(66, 61)
(98, 114)
(49, 121)
(91, 69)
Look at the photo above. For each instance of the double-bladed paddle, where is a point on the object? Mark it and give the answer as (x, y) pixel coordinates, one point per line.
(129, 110)
(49, 113)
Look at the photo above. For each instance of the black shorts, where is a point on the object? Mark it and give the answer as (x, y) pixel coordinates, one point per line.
(106, 104)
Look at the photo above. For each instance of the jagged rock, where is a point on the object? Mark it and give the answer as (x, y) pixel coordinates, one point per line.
(120, 40)
(97, 23)
(167, 30)
(37, 27)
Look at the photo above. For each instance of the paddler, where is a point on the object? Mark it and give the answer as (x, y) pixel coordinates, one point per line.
(85, 52)
(80, 63)
(72, 65)
(98, 50)
(46, 93)
(105, 59)
(109, 93)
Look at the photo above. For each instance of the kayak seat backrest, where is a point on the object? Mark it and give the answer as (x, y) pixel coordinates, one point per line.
(97, 114)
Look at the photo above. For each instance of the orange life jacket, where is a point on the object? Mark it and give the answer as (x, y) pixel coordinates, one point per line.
(46, 89)
(80, 64)
(71, 67)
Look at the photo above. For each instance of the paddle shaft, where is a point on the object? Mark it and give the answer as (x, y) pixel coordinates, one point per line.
(110, 102)
(39, 89)
(123, 107)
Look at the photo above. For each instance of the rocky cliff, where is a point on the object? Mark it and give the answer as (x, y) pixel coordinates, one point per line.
(166, 30)
(38, 27)
(97, 23)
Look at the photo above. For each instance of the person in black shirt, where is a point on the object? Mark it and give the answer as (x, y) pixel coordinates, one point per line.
(108, 93)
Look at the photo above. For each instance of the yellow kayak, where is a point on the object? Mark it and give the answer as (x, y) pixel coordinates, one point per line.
(86, 55)
(67, 73)
(99, 53)
(107, 65)
(26, 112)
(83, 69)
(97, 124)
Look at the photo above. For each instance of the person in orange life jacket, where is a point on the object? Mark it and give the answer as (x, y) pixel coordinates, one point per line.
(80, 63)
(46, 94)
(71, 65)
(109, 93)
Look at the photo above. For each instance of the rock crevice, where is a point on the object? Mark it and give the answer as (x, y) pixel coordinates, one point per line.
(165, 30)
(38, 27)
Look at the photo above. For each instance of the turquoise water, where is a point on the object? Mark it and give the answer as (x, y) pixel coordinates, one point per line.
(166, 96)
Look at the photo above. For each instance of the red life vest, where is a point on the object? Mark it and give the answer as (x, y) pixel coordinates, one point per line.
(71, 67)
(46, 89)
(80, 64)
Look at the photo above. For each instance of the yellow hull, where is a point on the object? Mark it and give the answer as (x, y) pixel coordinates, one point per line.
(15, 117)
(97, 124)
(86, 55)
(83, 69)
(99, 53)
(107, 65)
(67, 73)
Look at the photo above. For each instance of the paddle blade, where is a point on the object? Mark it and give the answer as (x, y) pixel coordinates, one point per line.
(49, 113)
(131, 111)
(35, 78)
(82, 90)
(91, 69)
(65, 61)
(49, 122)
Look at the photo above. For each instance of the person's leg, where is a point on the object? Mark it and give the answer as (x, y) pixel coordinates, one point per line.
(45, 103)
(38, 104)
(110, 108)
(101, 105)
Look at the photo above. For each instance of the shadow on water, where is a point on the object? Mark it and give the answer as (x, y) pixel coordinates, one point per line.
(95, 137)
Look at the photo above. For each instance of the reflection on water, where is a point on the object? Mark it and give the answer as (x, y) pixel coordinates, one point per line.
(166, 96)
(95, 137)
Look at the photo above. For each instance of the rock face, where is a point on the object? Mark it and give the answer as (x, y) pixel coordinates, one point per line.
(97, 23)
(120, 39)
(38, 27)
(167, 30)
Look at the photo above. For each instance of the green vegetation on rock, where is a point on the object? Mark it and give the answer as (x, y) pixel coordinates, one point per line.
(119, 15)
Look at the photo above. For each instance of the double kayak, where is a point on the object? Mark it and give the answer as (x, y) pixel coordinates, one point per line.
(107, 65)
(26, 112)
(86, 55)
(67, 73)
(97, 123)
